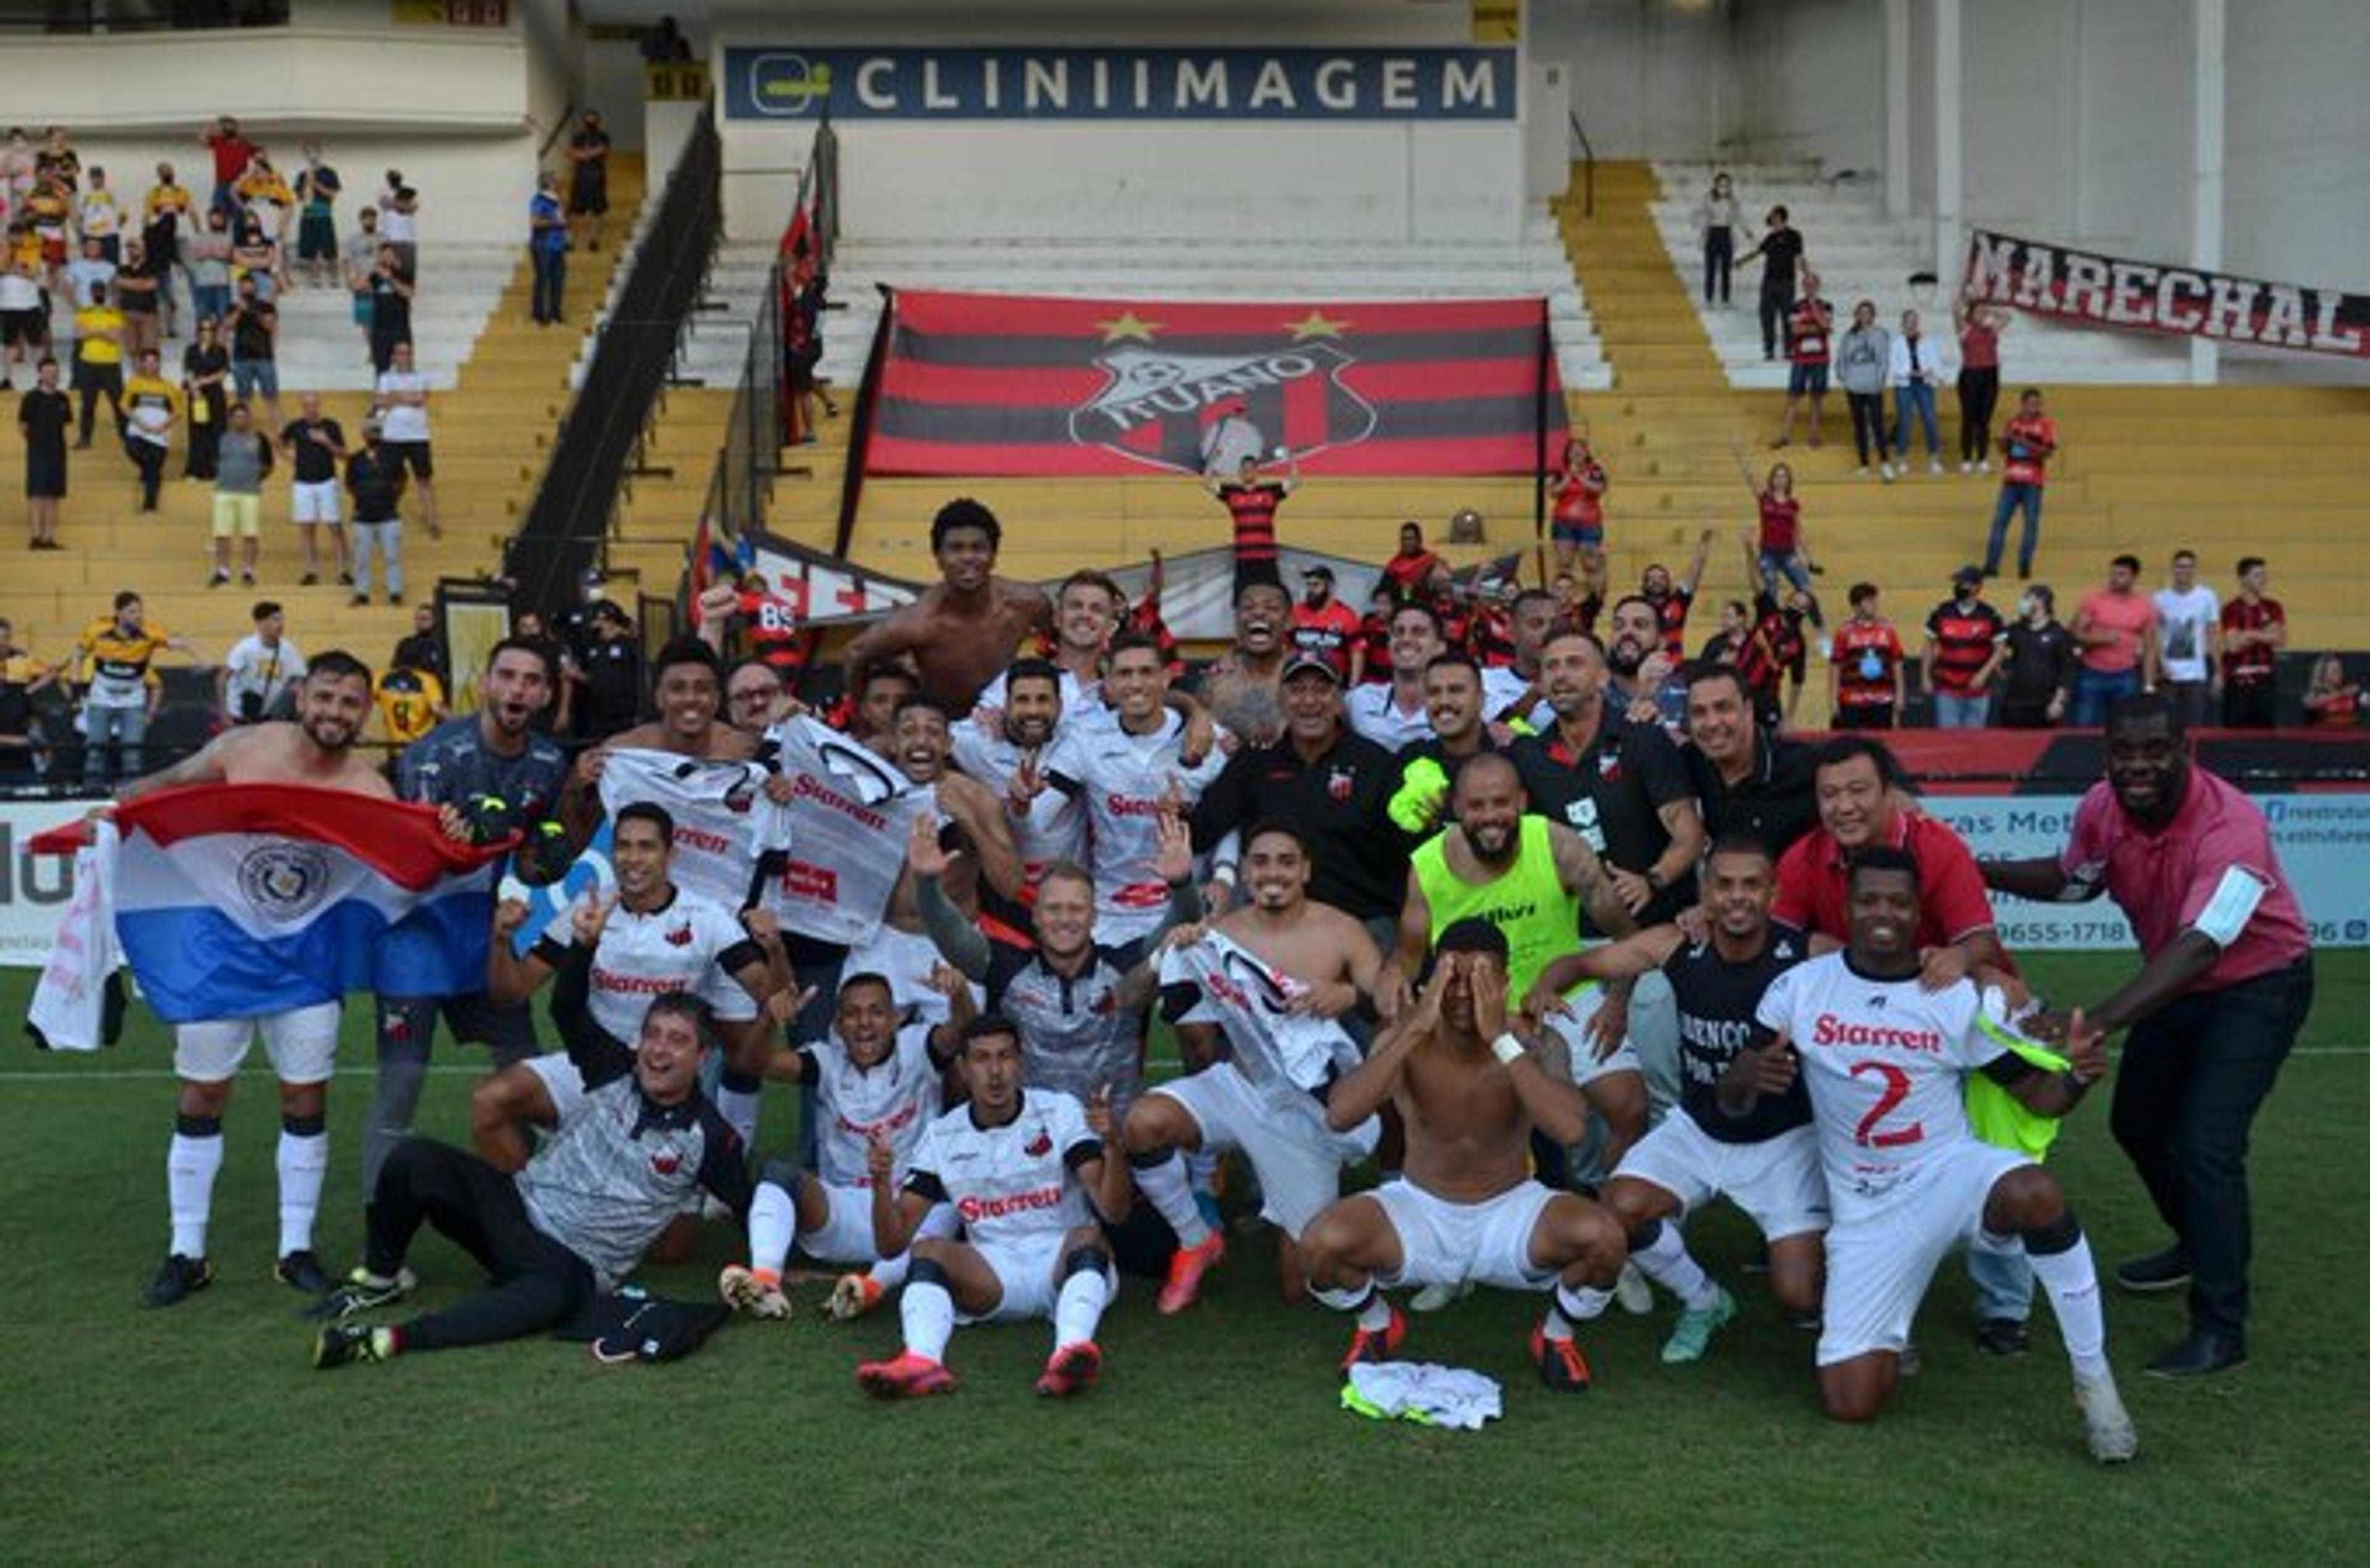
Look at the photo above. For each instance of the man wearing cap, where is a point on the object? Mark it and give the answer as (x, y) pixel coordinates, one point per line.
(1963, 639)
(1323, 624)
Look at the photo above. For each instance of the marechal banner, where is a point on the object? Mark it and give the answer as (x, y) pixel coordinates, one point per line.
(1015, 384)
(2097, 290)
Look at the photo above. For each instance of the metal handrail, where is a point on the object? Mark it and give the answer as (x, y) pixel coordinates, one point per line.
(1587, 165)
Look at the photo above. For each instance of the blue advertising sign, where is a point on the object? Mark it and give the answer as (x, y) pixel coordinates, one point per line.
(907, 83)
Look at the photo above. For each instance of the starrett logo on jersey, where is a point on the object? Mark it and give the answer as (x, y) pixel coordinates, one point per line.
(806, 786)
(1828, 1029)
(974, 1209)
(1156, 404)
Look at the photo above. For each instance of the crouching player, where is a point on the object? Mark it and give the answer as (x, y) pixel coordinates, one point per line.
(1886, 1063)
(1019, 1169)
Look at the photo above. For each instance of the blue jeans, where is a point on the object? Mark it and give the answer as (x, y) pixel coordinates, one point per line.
(1917, 399)
(2096, 695)
(550, 282)
(386, 539)
(2003, 1282)
(210, 300)
(2014, 494)
(1962, 710)
(124, 729)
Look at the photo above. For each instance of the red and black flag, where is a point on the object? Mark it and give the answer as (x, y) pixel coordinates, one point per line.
(985, 384)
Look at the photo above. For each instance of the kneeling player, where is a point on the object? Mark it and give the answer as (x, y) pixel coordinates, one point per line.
(1020, 1169)
(874, 1082)
(1467, 1208)
(1886, 1063)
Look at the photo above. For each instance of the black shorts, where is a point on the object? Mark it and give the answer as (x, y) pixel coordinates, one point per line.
(588, 193)
(317, 238)
(413, 457)
(25, 327)
(45, 476)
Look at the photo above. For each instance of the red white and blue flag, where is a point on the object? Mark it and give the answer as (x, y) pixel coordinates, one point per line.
(236, 901)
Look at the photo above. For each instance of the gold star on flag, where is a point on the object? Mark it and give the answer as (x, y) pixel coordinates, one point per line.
(1316, 325)
(1127, 324)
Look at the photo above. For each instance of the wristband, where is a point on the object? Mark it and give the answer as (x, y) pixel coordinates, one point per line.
(1508, 1049)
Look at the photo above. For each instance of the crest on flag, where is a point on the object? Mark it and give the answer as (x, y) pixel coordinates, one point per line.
(284, 881)
(1156, 407)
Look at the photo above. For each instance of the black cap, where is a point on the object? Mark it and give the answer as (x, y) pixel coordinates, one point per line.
(1301, 664)
(609, 609)
(1319, 570)
(1967, 573)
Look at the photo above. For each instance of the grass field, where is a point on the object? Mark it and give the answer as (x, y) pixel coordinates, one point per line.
(201, 1434)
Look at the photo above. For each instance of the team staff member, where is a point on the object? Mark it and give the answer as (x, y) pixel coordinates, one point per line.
(1453, 686)
(1746, 780)
(2223, 993)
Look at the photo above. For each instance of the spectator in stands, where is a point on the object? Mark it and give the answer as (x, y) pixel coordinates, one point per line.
(57, 162)
(411, 701)
(361, 253)
(99, 216)
(17, 165)
(205, 377)
(47, 210)
(99, 361)
(588, 185)
(1979, 327)
(374, 481)
(253, 327)
(1577, 506)
(1809, 328)
(2040, 665)
(1868, 666)
(1407, 572)
(317, 189)
(43, 415)
(1715, 217)
(266, 199)
(2188, 628)
(152, 409)
(231, 153)
(1779, 548)
(391, 291)
(547, 249)
(240, 468)
(119, 691)
(208, 254)
(2115, 628)
(255, 256)
(138, 283)
(90, 271)
(1251, 500)
(22, 679)
(1322, 624)
(1965, 641)
(398, 222)
(260, 670)
(665, 44)
(167, 212)
(24, 319)
(401, 404)
(2330, 701)
(1775, 658)
(2026, 447)
(1863, 355)
(1726, 646)
(419, 648)
(1780, 253)
(2254, 630)
(315, 445)
(1915, 370)
(1144, 617)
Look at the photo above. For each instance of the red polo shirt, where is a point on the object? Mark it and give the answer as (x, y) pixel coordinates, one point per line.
(1951, 900)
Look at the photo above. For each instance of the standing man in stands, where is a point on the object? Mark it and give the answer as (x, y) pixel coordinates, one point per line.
(315, 445)
(2223, 992)
(1251, 501)
(2026, 446)
(2254, 630)
(1780, 252)
(588, 187)
(1671, 601)
(2116, 630)
(960, 633)
(1965, 640)
(2189, 637)
(546, 244)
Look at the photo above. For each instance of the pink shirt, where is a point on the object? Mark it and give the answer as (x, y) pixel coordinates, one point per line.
(2125, 614)
(2164, 880)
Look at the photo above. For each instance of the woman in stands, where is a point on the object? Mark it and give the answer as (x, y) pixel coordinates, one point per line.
(1577, 492)
(1716, 216)
(2331, 702)
(1863, 360)
(1979, 327)
(1779, 547)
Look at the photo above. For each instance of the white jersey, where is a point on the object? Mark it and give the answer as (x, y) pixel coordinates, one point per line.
(402, 421)
(1373, 714)
(689, 943)
(1123, 778)
(1083, 707)
(714, 807)
(1885, 1062)
(1014, 1184)
(897, 1097)
(836, 850)
(1056, 826)
(1289, 1059)
(1501, 686)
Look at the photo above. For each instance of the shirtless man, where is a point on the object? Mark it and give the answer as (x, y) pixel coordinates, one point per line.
(688, 686)
(1241, 689)
(1469, 1091)
(960, 634)
(1273, 978)
(332, 704)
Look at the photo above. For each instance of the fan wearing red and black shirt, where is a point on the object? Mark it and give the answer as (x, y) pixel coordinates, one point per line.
(1774, 652)
(1144, 617)
(1407, 573)
(1964, 639)
(771, 622)
(1325, 626)
(1670, 600)
(1576, 495)
(2254, 629)
(1868, 666)
(1810, 344)
(1252, 501)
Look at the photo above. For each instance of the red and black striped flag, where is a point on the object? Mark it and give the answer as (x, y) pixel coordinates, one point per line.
(988, 383)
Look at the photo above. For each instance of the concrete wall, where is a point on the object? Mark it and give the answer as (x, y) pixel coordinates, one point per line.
(1809, 81)
(1650, 78)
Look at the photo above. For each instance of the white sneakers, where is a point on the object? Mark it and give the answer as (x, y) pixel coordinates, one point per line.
(2105, 1423)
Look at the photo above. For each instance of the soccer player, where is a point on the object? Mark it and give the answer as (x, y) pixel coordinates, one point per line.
(1242, 687)
(962, 632)
(1469, 1091)
(1006, 749)
(1028, 1172)
(630, 1141)
(687, 685)
(1453, 686)
(318, 749)
(1391, 713)
(1886, 1060)
(1273, 978)
(1766, 1163)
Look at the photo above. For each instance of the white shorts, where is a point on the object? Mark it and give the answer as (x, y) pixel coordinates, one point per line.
(846, 1236)
(1028, 1270)
(905, 959)
(1777, 1180)
(1451, 1244)
(1883, 1248)
(301, 1042)
(1298, 1160)
(1573, 1031)
(314, 503)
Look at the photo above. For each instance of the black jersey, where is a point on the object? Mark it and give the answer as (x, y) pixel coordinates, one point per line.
(1717, 1002)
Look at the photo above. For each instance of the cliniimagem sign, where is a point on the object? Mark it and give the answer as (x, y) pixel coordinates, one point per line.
(907, 83)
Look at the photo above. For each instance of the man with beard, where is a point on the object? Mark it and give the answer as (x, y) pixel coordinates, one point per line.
(1469, 1093)
(1271, 981)
(1239, 689)
(1452, 700)
(318, 750)
(959, 635)
(490, 772)
(1746, 780)
(1671, 601)
(1646, 679)
(1086, 612)
(2220, 998)
(1391, 713)
(1006, 748)
(872, 718)
(1323, 624)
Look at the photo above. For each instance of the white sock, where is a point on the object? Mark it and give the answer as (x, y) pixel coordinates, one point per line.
(773, 1227)
(2072, 1280)
(190, 1166)
(738, 1108)
(1079, 1307)
(1203, 1164)
(929, 1318)
(1169, 1187)
(889, 1273)
(1573, 1307)
(304, 1166)
(1668, 1263)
